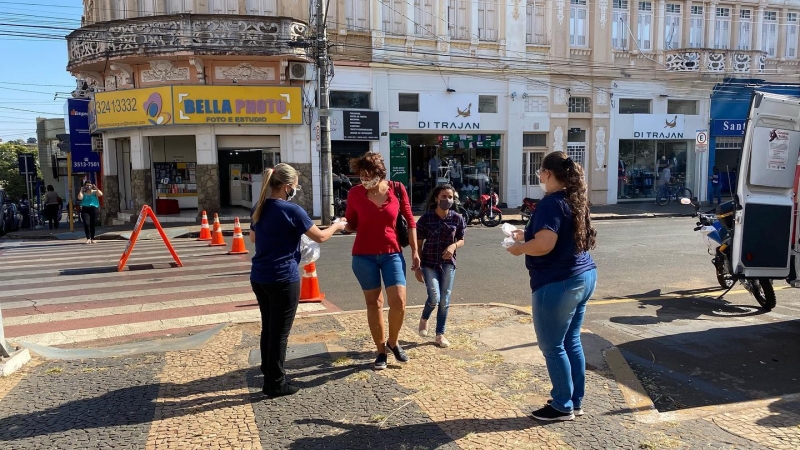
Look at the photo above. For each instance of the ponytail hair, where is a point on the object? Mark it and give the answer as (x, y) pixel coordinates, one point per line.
(571, 175)
(274, 178)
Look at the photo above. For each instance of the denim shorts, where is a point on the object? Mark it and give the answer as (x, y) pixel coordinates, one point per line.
(369, 270)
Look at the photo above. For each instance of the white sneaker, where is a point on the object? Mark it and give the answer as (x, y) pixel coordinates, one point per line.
(423, 327)
(88, 241)
(442, 341)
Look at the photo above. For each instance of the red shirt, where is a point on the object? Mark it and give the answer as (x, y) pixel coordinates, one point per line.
(375, 225)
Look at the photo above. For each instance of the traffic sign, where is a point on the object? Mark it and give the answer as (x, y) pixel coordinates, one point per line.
(701, 141)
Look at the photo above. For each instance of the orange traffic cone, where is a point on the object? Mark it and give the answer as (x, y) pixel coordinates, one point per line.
(217, 239)
(309, 285)
(205, 232)
(237, 248)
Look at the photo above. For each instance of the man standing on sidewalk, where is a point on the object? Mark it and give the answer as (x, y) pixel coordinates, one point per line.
(663, 182)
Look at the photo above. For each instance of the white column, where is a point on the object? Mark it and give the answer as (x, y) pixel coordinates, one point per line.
(511, 157)
(514, 30)
(140, 151)
(759, 38)
(440, 18)
(206, 147)
(711, 18)
(659, 24)
(109, 156)
(410, 17)
(473, 21)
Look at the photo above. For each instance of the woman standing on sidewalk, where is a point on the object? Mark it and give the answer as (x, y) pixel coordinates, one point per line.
(276, 228)
(372, 210)
(52, 203)
(563, 275)
(440, 231)
(89, 197)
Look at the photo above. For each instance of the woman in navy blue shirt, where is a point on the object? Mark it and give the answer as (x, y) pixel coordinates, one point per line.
(276, 228)
(555, 243)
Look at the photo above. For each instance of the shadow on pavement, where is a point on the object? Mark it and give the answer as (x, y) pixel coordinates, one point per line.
(786, 413)
(686, 307)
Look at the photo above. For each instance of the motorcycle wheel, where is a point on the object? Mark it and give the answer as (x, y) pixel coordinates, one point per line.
(764, 293)
(723, 276)
(491, 221)
(463, 211)
(525, 212)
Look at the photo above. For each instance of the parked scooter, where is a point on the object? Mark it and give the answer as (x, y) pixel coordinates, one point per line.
(717, 228)
(485, 209)
(527, 208)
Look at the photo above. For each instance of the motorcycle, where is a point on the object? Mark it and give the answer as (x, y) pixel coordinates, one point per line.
(484, 209)
(716, 227)
(341, 186)
(527, 208)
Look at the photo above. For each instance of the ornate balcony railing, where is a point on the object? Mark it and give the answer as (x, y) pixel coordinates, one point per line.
(199, 34)
(715, 61)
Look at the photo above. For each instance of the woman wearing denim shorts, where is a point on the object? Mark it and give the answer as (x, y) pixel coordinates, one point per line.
(372, 210)
(563, 275)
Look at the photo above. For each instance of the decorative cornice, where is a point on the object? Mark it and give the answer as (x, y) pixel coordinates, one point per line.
(164, 70)
(125, 72)
(199, 67)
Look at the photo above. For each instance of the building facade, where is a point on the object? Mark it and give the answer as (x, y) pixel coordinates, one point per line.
(194, 98)
(622, 86)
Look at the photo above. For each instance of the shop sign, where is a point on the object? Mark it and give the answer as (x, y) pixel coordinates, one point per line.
(448, 111)
(238, 105)
(398, 158)
(469, 140)
(728, 127)
(658, 126)
(131, 108)
(355, 125)
(167, 105)
(80, 138)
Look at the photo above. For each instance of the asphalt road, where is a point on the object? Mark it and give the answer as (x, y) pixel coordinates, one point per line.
(655, 300)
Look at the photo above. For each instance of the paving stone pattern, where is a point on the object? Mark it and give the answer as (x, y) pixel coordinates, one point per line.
(468, 396)
(105, 403)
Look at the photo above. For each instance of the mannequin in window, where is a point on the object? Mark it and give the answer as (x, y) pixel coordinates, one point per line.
(455, 172)
(433, 168)
(621, 176)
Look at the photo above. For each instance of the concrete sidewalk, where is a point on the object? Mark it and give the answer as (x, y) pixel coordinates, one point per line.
(477, 394)
(178, 230)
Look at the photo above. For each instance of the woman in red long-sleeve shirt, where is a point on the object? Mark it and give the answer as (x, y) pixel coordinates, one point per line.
(372, 209)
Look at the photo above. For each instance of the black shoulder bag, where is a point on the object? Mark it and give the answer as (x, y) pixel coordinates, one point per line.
(401, 226)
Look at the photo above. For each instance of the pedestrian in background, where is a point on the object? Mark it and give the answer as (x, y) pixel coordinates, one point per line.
(372, 210)
(440, 231)
(716, 186)
(52, 204)
(277, 226)
(563, 276)
(89, 197)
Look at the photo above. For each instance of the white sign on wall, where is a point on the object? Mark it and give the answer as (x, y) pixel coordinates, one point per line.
(658, 126)
(448, 111)
(701, 141)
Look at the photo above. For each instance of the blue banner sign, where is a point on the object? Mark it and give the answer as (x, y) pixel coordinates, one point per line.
(728, 127)
(80, 139)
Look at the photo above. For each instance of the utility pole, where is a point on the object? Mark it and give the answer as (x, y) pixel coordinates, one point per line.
(324, 116)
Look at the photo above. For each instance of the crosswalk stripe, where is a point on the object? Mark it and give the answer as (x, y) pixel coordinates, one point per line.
(118, 295)
(57, 294)
(119, 310)
(108, 332)
(63, 276)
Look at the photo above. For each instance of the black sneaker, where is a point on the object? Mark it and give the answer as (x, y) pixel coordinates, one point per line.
(284, 390)
(577, 411)
(548, 413)
(380, 361)
(399, 353)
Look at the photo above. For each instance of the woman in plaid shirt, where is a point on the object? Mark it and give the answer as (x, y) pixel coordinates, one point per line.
(440, 231)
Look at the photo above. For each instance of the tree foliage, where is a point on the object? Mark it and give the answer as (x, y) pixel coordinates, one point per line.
(10, 179)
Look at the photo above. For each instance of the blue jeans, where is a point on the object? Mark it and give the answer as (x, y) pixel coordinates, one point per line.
(439, 283)
(716, 192)
(558, 310)
(370, 269)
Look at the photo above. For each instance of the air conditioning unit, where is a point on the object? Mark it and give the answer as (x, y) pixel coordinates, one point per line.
(301, 71)
(97, 144)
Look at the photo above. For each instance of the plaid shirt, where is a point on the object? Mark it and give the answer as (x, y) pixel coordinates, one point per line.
(438, 234)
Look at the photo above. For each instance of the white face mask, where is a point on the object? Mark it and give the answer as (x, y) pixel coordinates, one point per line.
(543, 186)
(371, 183)
(291, 194)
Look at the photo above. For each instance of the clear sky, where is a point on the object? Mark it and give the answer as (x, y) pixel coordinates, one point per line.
(34, 61)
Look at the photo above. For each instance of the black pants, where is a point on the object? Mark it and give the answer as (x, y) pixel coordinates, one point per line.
(89, 218)
(52, 215)
(278, 304)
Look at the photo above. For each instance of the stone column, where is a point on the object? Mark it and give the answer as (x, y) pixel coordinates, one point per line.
(141, 173)
(711, 21)
(304, 197)
(111, 195)
(208, 196)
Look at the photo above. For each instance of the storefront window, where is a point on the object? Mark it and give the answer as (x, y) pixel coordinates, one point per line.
(634, 106)
(408, 102)
(642, 163)
(349, 100)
